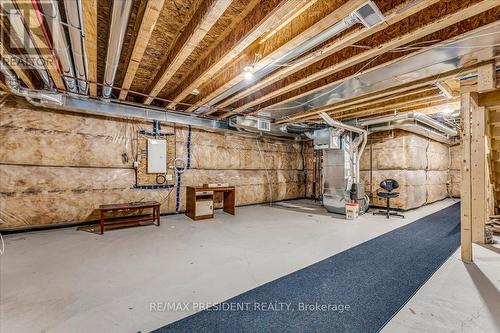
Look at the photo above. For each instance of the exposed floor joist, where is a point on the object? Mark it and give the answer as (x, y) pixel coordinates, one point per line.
(149, 19)
(31, 20)
(423, 31)
(204, 18)
(279, 45)
(89, 11)
(387, 92)
(395, 100)
(258, 21)
(393, 16)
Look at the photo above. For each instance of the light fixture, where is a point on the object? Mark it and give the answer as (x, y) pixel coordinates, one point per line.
(195, 92)
(447, 109)
(248, 72)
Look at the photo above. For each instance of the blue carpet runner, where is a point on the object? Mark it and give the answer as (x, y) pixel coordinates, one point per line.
(358, 290)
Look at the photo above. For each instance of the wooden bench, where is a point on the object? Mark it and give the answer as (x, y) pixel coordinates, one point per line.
(131, 206)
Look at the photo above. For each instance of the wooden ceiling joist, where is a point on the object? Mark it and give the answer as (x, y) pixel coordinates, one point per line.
(399, 89)
(259, 20)
(355, 112)
(30, 18)
(395, 15)
(149, 19)
(427, 92)
(205, 17)
(274, 48)
(89, 10)
(407, 38)
(426, 107)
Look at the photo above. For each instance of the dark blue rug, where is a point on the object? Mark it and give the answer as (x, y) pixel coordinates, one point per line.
(358, 290)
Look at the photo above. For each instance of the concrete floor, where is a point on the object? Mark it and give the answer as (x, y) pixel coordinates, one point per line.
(73, 281)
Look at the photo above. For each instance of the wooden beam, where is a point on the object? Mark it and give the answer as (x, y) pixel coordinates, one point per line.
(30, 18)
(89, 10)
(149, 19)
(205, 17)
(472, 68)
(395, 15)
(486, 80)
(465, 184)
(421, 32)
(421, 103)
(280, 50)
(259, 20)
(478, 173)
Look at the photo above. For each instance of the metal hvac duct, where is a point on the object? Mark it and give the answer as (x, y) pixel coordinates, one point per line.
(50, 10)
(73, 9)
(118, 26)
(360, 146)
(13, 84)
(368, 14)
(420, 117)
(18, 30)
(417, 129)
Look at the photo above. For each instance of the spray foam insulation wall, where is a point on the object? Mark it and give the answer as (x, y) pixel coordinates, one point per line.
(420, 165)
(57, 167)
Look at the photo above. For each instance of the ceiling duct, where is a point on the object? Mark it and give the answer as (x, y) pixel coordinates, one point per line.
(367, 14)
(254, 125)
(419, 117)
(414, 128)
(118, 26)
(19, 31)
(50, 10)
(73, 9)
(14, 86)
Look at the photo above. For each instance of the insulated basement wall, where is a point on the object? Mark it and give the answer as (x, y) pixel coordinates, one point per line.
(57, 167)
(420, 165)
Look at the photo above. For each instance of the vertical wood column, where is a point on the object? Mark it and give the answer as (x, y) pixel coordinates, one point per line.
(465, 187)
(479, 181)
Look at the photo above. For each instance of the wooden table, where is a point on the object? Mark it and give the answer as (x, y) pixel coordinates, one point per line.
(191, 195)
(131, 206)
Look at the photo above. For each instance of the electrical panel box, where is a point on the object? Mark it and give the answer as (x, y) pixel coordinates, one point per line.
(157, 156)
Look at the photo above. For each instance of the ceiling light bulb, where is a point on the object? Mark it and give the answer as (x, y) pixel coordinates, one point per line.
(447, 109)
(248, 76)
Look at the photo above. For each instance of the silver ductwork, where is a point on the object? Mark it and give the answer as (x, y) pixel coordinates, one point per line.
(118, 26)
(14, 86)
(51, 12)
(360, 142)
(73, 9)
(253, 125)
(417, 129)
(419, 117)
(19, 31)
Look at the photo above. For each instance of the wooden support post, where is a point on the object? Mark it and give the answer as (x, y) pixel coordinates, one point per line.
(478, 172)
(486, 78)
(465, 173)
